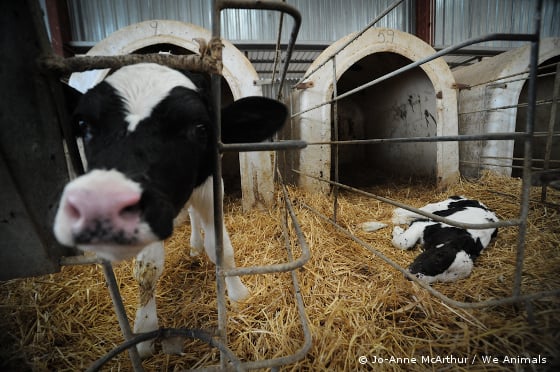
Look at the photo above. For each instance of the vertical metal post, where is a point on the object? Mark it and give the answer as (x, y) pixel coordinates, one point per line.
(551, 122)
(216, 84)
(528, 150)
(335, 138)
(121, 314)
(277, 55)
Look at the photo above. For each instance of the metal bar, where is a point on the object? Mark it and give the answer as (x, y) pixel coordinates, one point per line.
(528, 149)
(278, 52)
(545, 74)
(218, 193)
(494, 165)
(533, 168)
(535, 135)
(371, 24)
(416, 210)
(551, 123)
(427, 287)
(271, 5)
(454, 65)
(514, 158)
(263, 146)
(299, 354)
(463, 137)
(302, 45)
(217, 190)
(336, 138)
(477, 52)
(519, 105)
(448, 50)
(459, 138)
(121, 314)
(526, 72)
(164, 333)
(291, 265)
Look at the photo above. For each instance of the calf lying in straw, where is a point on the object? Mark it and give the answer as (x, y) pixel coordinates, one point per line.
(448, 252)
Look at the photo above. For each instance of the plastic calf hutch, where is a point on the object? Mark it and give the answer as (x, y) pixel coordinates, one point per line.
(494, 100)
(419, 103)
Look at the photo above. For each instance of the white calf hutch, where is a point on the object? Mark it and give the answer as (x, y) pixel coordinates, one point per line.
(419, 103)
(493, 99)
(253, 169)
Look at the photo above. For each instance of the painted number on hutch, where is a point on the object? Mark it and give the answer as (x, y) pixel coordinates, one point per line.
(386, 36)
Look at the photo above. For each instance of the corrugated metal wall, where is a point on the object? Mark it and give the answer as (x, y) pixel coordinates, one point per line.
(324, 20)
(460, 20)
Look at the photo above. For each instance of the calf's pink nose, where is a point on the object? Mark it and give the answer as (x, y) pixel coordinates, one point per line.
(118, 208)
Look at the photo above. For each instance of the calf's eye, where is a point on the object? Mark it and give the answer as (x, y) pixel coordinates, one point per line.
(85, 130)
(201, 132)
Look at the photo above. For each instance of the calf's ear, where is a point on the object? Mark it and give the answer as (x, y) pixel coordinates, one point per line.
(71, 97)
(252, 119)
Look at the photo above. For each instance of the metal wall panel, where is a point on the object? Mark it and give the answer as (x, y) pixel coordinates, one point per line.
(460, 20)
(324, 20)
(33, 167)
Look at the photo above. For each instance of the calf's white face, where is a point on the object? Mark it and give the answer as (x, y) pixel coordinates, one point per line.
(149, 142)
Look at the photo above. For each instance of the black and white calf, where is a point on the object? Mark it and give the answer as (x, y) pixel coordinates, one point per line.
(449, 252)
(148, 138)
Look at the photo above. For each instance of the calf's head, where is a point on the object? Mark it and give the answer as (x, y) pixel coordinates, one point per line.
(148, 139)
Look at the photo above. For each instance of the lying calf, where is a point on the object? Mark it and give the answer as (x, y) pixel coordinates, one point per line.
(449, 252)
(148, 138)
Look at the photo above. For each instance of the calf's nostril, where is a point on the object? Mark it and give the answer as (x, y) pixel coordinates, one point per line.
(130, 211)
(72, 209)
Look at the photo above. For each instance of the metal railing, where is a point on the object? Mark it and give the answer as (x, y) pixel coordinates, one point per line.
(526, 136)
(218, 338)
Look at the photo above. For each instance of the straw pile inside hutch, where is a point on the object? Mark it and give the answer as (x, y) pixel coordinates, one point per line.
(356, 304)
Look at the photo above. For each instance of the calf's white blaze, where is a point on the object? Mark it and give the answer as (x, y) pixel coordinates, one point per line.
(143, 86)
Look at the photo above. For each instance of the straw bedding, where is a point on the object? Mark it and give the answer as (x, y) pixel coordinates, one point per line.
(356, 304)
